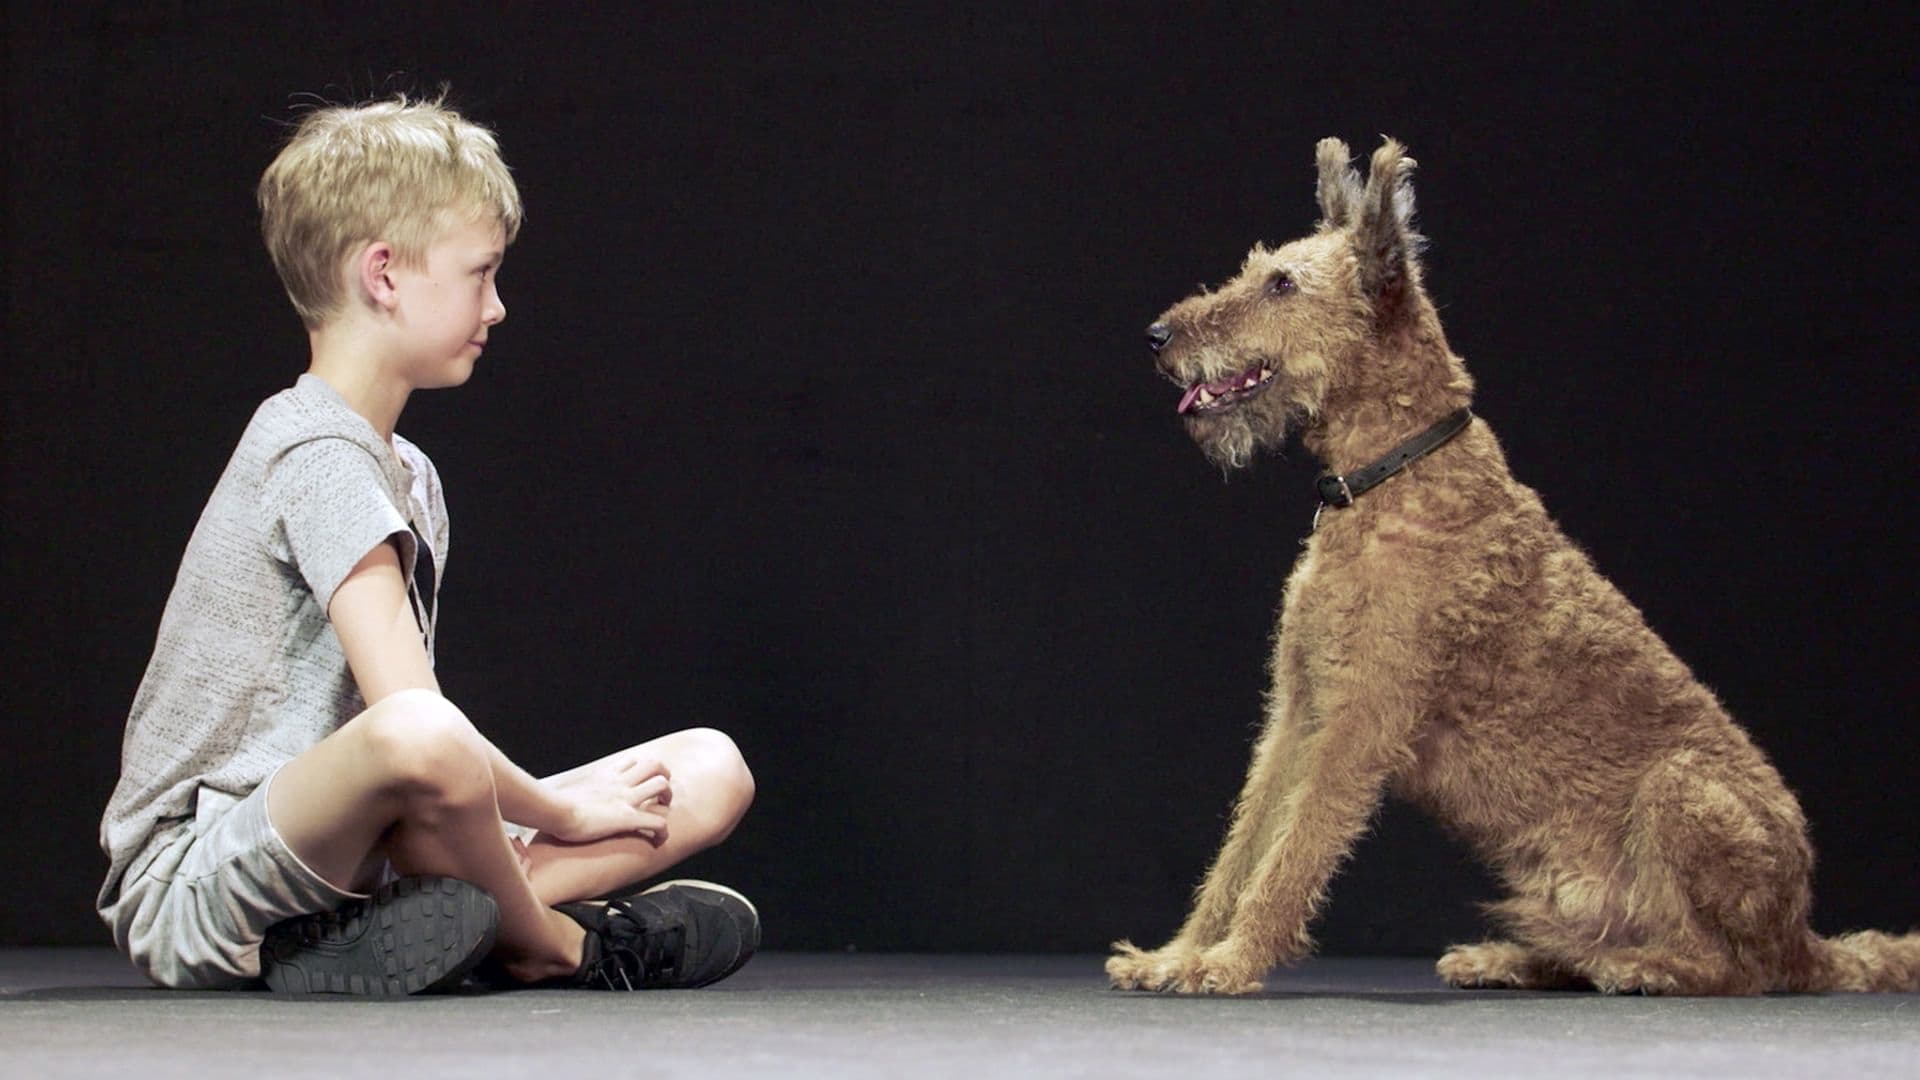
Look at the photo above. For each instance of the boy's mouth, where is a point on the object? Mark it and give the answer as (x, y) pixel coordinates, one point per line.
(1225, 393)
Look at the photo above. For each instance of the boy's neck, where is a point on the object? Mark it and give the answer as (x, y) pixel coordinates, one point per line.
(350, 368)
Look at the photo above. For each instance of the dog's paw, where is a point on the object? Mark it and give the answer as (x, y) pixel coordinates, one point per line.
(1633, 978)
(1491, 965)
(1181, 969)
(1225, 968)
(1133, 968)
(1126, 968)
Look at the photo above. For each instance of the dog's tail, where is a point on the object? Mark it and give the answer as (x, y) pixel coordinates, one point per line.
(1866, 961)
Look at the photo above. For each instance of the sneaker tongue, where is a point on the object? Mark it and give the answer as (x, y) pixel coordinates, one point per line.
(648, 943)
(590, 956)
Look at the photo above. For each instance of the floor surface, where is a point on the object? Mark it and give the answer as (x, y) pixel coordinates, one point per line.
(83, 1013)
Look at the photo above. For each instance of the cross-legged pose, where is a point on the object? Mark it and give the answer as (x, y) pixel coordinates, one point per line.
(297, 800)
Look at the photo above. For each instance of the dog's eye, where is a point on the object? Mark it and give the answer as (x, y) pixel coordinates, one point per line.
(1280, 285)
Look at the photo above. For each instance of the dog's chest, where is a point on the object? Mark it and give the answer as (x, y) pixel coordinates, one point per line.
(1310, 611)
(1299, 582)
(1347, 612)
(1327, 591)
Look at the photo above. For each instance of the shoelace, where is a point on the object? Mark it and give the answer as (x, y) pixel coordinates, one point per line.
(647, 965)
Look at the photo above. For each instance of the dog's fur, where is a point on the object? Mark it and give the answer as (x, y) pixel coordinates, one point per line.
(1441, 638)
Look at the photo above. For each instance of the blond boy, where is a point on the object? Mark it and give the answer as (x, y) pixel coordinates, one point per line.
(297, 801)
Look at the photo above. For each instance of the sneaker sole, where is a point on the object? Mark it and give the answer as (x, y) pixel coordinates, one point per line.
(411, 936)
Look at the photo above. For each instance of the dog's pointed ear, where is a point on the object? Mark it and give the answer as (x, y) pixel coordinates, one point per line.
(1383, 236)
(1339, 186)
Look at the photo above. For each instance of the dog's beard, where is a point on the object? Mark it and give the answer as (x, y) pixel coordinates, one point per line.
(1232, 440)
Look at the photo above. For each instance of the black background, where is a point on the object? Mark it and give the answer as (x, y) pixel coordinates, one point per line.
(822, 414)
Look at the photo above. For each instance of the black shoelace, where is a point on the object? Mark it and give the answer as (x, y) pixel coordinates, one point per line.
(635, 953)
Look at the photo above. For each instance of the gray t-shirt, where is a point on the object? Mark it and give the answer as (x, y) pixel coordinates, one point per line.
(246, 672)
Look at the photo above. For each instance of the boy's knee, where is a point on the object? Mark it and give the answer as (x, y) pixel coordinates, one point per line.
(727, 770)
(427, 747)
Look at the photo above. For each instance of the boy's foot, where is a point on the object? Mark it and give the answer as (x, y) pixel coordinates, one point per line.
(417, 935)
(679, 934)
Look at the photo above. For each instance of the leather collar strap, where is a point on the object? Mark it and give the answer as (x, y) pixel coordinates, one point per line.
(1342, 490)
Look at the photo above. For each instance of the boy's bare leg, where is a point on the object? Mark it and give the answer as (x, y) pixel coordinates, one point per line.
(410, 777)
(711, 790)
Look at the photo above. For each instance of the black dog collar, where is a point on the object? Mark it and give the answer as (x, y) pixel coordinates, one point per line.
(1342, 490)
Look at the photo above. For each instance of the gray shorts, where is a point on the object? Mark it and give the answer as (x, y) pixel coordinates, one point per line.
(194, 916)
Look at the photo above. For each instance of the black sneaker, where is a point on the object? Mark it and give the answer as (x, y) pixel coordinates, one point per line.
(417, 935)
(677, 935)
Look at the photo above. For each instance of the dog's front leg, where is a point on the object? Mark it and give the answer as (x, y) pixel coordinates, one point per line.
(1258, 817)
(1345, 768)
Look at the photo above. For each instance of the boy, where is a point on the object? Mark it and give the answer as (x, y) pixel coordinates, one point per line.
(297, 801)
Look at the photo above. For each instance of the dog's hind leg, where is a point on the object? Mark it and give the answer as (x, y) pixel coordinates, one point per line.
(1618, 935)
(1705, 892)
(1258, 819)
(1719, 857)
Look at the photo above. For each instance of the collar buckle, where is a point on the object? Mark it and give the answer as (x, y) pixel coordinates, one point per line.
(1334, 491)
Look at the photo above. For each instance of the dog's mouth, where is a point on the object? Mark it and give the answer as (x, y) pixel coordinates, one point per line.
(1212, 397)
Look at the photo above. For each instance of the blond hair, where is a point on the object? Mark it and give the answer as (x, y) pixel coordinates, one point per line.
(387, 170)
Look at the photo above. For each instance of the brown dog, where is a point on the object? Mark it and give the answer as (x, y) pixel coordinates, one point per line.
(1442, 638)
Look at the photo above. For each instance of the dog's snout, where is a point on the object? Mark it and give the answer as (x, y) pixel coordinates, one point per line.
(1158, 335)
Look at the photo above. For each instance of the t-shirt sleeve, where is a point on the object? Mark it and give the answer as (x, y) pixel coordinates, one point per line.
(328, 504)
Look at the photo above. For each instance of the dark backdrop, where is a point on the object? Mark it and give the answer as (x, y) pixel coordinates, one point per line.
(822, 413)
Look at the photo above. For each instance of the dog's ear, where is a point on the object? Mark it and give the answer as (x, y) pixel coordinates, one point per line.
(1383, 236)
(1339, 186)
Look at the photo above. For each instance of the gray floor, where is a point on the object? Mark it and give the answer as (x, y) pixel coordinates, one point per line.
(81, 1012)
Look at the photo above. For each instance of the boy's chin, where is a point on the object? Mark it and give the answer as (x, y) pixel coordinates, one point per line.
(446, 377)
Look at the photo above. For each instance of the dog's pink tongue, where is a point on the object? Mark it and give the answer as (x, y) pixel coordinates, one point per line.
(1224, 386)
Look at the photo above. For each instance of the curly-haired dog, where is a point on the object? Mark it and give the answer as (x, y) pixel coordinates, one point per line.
(1440, 637)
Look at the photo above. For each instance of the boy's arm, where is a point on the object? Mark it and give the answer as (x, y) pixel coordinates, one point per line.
(374, 621)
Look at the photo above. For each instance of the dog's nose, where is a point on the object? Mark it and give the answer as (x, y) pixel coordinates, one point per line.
(1158, 335)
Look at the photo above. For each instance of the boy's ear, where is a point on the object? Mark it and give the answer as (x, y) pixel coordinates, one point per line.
(373, 274)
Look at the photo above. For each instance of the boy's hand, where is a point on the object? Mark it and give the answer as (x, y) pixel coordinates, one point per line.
(621, 795)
